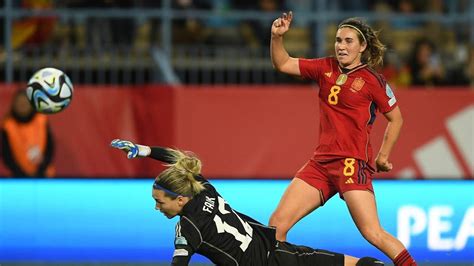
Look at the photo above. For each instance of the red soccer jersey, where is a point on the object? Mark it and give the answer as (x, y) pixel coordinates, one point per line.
(348, 103)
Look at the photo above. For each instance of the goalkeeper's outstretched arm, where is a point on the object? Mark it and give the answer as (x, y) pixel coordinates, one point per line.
(161, 154)
(136, 150)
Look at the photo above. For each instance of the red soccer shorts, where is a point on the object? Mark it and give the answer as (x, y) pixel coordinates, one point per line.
(337, 175)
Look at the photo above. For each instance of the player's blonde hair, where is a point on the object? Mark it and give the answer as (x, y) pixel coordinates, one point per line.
(180, 176)
(373, 54)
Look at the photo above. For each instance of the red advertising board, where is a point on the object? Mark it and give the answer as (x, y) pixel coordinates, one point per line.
(247, 131)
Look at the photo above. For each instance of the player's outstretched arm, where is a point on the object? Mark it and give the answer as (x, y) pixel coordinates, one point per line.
(281, 60)
(137, 150)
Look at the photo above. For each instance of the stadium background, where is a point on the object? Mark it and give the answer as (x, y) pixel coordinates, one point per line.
(197, 75)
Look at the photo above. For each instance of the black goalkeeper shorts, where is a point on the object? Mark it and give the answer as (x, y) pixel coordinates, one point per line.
(287, 254)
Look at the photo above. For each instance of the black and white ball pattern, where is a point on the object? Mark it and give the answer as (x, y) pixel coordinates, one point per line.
(49, 90)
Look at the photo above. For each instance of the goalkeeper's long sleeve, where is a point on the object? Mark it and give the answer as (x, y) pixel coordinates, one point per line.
(161, 154)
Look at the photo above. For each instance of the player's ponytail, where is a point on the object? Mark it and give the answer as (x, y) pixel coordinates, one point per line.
(373, 54)
(180, 176)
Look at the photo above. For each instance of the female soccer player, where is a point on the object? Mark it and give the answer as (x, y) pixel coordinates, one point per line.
(210, 227)
(350, 92)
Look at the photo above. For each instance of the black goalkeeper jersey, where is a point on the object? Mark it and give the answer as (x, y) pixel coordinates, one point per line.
(209, 226)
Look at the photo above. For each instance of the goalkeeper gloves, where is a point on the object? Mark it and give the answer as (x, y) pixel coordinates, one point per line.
(133, 150)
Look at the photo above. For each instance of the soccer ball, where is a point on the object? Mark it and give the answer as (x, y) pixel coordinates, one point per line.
(49, 90)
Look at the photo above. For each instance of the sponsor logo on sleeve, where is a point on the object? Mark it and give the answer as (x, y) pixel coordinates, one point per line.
(390, 95)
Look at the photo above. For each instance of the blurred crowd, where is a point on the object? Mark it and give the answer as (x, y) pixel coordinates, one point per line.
(421, 52)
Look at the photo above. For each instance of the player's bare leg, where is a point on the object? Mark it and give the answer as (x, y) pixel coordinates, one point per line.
(350, 261)
(298, 200)
(362, 207)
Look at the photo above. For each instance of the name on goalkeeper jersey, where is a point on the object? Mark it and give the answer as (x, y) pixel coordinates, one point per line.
(209, 204)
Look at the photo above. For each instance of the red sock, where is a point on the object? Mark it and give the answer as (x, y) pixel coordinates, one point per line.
(404, 259)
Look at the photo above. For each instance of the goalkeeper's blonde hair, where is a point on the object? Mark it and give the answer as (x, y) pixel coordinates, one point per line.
(180, 175)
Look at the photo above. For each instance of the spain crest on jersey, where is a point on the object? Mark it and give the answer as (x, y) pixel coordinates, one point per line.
(357, 84)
